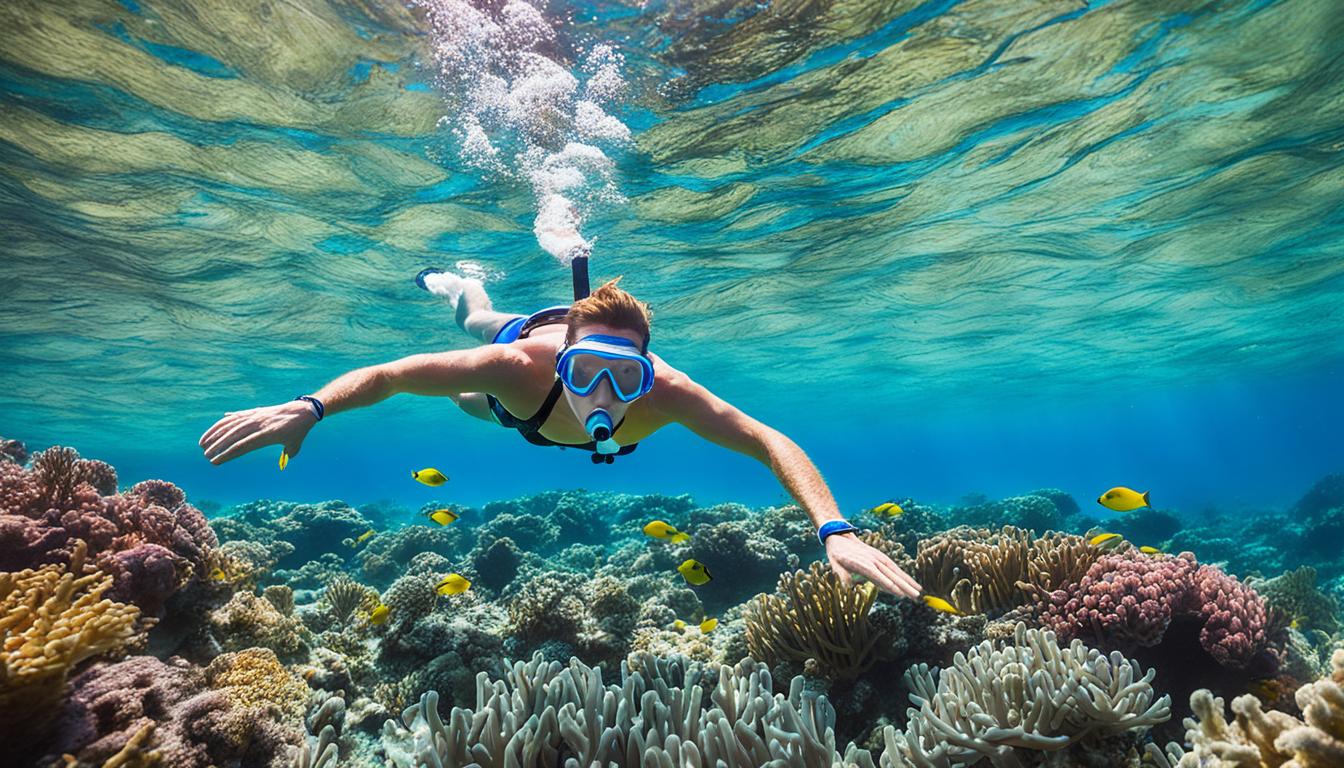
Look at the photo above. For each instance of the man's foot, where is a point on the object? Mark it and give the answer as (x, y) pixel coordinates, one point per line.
(447, 285)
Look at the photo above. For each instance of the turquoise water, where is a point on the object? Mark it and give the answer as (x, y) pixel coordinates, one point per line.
(947, 247)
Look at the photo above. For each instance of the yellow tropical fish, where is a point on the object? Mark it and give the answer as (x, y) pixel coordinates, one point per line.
(430, 476)
(708, 625)
(695, 572)
(443, 516)
(284, 460)
(1102, 538)
(218, 574)
(379, 614)
(660, 530)
(453, 584)
(1122, 499)
(678, 625)
(939, 604)
(1150, 550)
(363, 537)
(887, 509)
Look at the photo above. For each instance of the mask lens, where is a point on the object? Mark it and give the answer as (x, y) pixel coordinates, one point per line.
(628, 375)
(583, 369)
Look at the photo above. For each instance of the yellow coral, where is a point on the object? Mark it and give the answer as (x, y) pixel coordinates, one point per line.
(255, 679)
(816, 618)
(51, 619)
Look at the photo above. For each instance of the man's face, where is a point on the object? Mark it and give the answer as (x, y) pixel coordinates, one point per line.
(603, 396)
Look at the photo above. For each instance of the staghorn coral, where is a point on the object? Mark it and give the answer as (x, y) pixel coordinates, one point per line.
(1028, 695)
(548, 713)
(1259, 739)
(52, 619)
(814, 617)
(255, 679)
(983, 571)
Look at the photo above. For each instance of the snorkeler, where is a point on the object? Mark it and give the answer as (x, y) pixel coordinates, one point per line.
(583, 377)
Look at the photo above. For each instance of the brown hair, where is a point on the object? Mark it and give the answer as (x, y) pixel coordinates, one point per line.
(609, 305)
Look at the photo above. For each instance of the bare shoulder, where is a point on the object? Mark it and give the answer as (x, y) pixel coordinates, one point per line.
(673, 389)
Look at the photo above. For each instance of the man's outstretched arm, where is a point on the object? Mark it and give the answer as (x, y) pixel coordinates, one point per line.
(712, 418)
(441, 373)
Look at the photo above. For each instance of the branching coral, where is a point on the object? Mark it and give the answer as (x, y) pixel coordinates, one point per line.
(980, 571)
(814, 617)
(1259, 739)
(1031, 694)
(52, 619)
(548, 713)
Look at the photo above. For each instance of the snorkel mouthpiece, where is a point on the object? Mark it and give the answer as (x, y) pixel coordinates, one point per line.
(598, 425)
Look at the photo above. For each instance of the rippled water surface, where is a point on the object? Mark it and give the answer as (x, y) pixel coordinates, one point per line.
(893, 209)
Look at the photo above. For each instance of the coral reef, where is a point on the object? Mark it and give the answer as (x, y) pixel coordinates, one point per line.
(1028, 695)
(248, 621)
(655, 716)
(815, 618)
(343, 596)
(52, 619)
(1258, 738)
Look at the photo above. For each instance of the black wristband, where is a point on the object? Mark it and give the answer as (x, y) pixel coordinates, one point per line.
(320, 409)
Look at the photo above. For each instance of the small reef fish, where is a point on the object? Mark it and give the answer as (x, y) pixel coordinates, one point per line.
(379, 614)
(443, 516)
(1150, 550)
(678, 625)
(363, 537)
(1102, 538)
(430, 476)
(1122, 499)
(284, 460)
(453, 584)
(939, 604)
(708, 625)
(695, 572)
(888, 509)
(665, 531)
(218, 574)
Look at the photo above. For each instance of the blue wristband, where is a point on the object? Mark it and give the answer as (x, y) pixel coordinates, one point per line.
(832, 528)
(319, 410)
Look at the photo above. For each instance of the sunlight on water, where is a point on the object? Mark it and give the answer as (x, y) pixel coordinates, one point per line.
(915, 204)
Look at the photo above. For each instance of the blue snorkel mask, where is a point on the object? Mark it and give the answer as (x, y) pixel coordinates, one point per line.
(582, 365)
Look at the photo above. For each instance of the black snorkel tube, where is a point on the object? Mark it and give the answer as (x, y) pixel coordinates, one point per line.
(598, 425)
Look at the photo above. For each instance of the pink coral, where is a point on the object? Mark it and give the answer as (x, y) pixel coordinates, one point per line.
(45, 509)
(146, 574)
(1130, 598)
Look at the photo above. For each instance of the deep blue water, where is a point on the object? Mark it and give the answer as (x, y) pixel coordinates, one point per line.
(949, 248)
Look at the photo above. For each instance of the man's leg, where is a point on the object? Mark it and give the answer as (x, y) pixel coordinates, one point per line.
(473, 310)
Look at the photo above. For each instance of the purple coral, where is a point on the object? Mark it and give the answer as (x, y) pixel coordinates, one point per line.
(1132, 599)
(44, 510)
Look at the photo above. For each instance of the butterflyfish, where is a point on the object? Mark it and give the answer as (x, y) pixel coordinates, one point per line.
(695, 572)
(939, 604)
(284, 460)
(453, 584)
(708, 625)
(887, 509)
(430, 476)
(1102, 538)
(661, 530)
(1150, 550)
(1122, 499)
(678, 625)
(379, 614)
(218, 574)
(443, 516)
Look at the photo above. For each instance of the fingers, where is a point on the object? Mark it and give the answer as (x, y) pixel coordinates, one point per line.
(231, 418)
(250, 443)
(904, 585)
(229, 436)
(842, 574)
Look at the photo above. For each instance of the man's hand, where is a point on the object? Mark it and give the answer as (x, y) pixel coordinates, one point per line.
(847, 554)
(241, 432)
